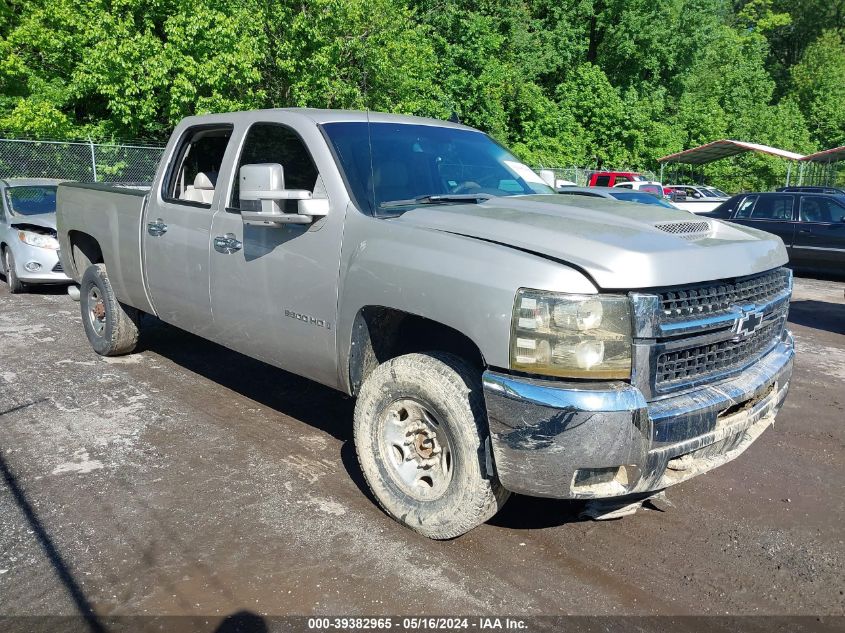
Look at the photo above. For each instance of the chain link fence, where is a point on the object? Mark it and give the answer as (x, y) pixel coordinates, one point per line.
(81, 161)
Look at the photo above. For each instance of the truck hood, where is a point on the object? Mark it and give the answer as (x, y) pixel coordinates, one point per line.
(618, 244)
(27, 222)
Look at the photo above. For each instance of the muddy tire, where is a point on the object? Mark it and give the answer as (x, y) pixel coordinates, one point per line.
(111, 327)
(15, 284)
(420, 432)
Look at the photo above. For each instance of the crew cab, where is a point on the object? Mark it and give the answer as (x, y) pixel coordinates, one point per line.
(497, 337)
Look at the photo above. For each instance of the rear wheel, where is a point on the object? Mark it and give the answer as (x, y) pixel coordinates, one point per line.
(15, 284)
(111, 327)
(421, 438)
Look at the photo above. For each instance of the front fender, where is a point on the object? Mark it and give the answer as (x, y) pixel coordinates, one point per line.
(461, 282)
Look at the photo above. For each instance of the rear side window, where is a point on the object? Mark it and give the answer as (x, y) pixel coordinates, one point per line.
(602, 181)
(818, 209)
(743, 210)
(192, 177)
(773, 208)
(276, 143)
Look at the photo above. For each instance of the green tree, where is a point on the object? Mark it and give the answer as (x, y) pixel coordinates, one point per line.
(818, 82)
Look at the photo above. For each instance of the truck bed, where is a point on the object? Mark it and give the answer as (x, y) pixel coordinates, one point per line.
(113, 216)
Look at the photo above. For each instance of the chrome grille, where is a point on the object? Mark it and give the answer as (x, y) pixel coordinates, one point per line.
(697, 363)
(717, 297)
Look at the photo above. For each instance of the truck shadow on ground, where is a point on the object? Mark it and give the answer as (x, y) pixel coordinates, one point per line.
(312, 403)
(819, 315)
(318, 406)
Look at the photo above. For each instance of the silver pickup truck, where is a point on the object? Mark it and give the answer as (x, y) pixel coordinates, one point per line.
(498, 337)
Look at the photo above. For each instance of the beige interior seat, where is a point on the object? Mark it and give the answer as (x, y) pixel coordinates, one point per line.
(202, 190)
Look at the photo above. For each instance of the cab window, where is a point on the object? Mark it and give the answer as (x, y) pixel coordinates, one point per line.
(276, 143)
(192, 178)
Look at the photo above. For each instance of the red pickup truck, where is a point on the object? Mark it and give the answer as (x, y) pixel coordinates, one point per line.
(612, 178)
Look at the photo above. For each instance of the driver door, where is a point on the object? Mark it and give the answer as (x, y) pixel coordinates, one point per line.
(274, 288)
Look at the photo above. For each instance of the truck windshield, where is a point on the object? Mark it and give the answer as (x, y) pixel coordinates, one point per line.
(31, 200)
(392, 167)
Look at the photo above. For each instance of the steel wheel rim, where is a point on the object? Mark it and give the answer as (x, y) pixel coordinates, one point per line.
(96, 311)
(418, 454)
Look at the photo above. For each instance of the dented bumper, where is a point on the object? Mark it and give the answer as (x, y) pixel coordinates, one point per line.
(598, 440)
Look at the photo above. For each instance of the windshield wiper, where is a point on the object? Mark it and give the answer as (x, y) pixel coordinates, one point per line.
(437, 198)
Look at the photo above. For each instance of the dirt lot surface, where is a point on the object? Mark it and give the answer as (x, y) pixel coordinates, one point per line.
(188, 479)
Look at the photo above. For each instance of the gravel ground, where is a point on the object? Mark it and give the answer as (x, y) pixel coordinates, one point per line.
(188, 479)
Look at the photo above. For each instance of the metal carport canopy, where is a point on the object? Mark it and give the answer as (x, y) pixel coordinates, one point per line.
(723, 149)
(827, 156)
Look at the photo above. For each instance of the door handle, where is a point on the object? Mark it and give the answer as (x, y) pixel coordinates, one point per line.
(157, 228)
(227, 244)
(804, 231)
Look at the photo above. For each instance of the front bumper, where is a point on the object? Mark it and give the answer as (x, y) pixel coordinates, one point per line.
(49, 269)
(588, 440)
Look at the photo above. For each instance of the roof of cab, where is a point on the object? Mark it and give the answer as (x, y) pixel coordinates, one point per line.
(319, 116)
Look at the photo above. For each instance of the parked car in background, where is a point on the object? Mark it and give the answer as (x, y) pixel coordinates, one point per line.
(811, 225)
(29, 250)
(612, 178)
(617, 193)
(645, 186)
(699, 199)
(719, 193)
(813, 189)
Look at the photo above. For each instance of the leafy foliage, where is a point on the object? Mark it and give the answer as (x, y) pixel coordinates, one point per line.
(574, 83)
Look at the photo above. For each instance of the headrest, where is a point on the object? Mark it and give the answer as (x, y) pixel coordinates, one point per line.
(203, 182)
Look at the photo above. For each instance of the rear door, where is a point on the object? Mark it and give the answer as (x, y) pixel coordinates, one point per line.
(773, 213)
(177, 227)
(820, 237)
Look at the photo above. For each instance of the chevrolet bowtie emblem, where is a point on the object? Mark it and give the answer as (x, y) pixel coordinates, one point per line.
(747, 323)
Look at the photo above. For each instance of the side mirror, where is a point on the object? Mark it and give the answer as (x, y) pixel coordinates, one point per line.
(696, 195)
(262, 196)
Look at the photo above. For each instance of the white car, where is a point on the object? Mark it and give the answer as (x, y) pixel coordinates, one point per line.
(646, 186)
(29, 250)
(699, 198)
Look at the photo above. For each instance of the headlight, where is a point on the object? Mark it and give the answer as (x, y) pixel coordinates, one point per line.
(572, 336)
(39, 240)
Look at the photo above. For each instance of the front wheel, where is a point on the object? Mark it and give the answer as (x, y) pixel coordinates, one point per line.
(111, 327)
(15, 284)
(420, 433)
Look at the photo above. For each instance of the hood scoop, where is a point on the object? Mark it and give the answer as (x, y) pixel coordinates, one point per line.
(687, 230)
